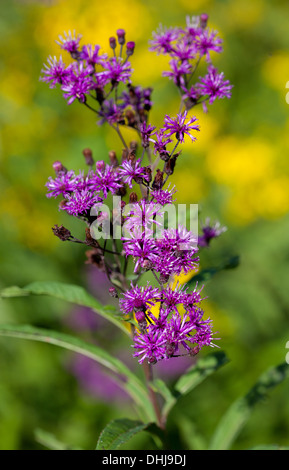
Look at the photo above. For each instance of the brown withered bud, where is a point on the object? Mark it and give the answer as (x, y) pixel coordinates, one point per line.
(95, 257)
(148, 171)
(130, 116)
(133, 198)
(164, 278)
(133, 145)
(147, 264)
(61, 232)
(165, 155)
(62, 204)
(113, 292)
(121, 191)
(113, 158)
(170, 165)
(87, 153)
(158, 181)
(131, 156)
(170, 349)
(89, 240)
(124, 155)
(194, 351)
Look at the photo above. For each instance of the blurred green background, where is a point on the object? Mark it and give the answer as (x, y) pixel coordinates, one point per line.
(238, 172)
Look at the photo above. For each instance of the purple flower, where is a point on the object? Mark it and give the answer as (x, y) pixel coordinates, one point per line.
(143, 215)
(70, 43)
(90, 55)
(178, 331)
(193, 28)
(146, 132)
(214, 85)
(80, 202)
(143, 250)
(163, 40)
(178, 126)
(139, 298)
(207, 41)
(164, 196)
(105, 179)
(63, 185)
(150, 346)
(55, 72)
(79, 85)
(110, 112)
(161, 143)
(117, 71)
(210, 232)
(184, 51)
(178, 71)
(130, 171)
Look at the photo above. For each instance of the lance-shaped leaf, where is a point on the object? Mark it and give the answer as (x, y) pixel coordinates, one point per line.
(49, 441)
(71, 293)
(190, 379)
(118, 432)
(240, 411)
(128, 380)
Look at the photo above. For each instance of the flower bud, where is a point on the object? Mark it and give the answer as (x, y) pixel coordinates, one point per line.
(113, 158)
(59, 168)
(204, 20)
(121, 36)
(130, 48)
(87, 153)
(112, 42)
(113, 292)
(158, 181)
(132, 197)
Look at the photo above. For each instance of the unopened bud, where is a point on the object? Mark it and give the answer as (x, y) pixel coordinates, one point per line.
(87, 153)
(59, 168)
(112, 42)
(113, 158)
(130, 116)
(133, 198)
(148, 171)
(100, 165)
(130, 48)
(121, 36)
(164, 278)
(194, 351)
(124, 155)
(113, 292)
(133, 146)
(204, 20)
(152, 360)
(170, 349)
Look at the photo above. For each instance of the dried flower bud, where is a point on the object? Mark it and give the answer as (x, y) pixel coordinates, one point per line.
(164, 278)
(61, 232)
(113, 292)
(141, 319)
(130, 116)
(195, 350)
(133, 145)
(124, 154)
(121, 36)
(133, 198)
(113, 158)
(148, 171)
(170, 349)
(121, 191)
(87, 153)
(95, 257)
(158, 181)
(171, 163)
(112, 42)
(130, 48)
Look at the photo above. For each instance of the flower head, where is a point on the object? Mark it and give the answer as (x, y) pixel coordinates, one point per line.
(179, 127)
(214, 85)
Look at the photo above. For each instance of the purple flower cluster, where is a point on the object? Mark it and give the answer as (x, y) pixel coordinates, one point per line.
(147, 244)
(186, 47)
(170, 333)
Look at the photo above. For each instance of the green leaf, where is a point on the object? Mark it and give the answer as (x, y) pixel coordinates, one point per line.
(240, 411)
(188, 381)
(269, 447)
(49, 441)
(118, 432)
(131, 384)
(207, 274)
(71, 293)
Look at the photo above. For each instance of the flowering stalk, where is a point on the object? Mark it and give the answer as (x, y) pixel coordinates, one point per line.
(166, 322)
